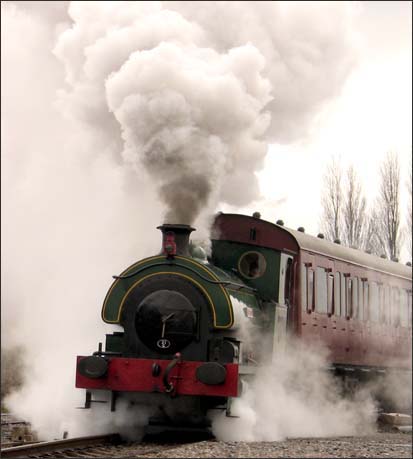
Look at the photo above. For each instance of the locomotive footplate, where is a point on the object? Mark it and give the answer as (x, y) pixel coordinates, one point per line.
(173, 377)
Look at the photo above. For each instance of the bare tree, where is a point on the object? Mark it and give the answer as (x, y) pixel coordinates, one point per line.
(354, 212)
(332, 201)
(388, 206)
(373, 241)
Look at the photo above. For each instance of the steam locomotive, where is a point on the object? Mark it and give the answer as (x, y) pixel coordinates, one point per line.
(182, 348)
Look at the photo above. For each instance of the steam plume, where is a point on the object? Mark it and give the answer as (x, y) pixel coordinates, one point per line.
(197, 91)
(139, 102)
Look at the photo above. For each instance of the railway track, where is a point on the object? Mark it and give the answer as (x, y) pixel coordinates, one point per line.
(96, 446)
(72, 447)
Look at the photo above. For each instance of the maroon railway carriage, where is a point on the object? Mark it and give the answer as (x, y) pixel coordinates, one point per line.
(358, 304)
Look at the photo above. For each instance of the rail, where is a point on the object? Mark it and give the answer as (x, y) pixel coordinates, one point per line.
(59, 445)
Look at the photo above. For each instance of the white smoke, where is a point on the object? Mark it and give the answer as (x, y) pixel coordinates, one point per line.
(195, 93)
(292, 395)
(70, 219)
(187, 135)
(128, 420)
(108, 107)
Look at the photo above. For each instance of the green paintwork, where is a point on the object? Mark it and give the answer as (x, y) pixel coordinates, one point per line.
(226, 255)
(114, 342)
(194, 270)
(245, 295)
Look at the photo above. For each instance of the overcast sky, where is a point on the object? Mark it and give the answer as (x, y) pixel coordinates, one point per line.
(372, 116)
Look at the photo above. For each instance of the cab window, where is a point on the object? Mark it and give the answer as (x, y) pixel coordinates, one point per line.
(252, 265)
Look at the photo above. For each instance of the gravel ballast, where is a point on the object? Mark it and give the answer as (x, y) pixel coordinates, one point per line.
(381, 444)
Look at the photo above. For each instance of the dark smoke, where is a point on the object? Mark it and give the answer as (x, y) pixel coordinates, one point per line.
(185, 197)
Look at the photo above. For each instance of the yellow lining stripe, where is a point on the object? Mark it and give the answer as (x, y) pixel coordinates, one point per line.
(168, 273)
(215, 277)
(145, 260)
(199, 265)
(117, 280)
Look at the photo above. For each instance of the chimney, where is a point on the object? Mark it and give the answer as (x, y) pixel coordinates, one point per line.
(181, 235)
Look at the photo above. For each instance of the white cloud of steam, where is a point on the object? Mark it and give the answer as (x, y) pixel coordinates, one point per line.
(198, 90)
(186, 133)
(70, 219)
(394, 388)
(105, 109)
(308, 49)
(52, 406)
(292, 395)
(295, 396)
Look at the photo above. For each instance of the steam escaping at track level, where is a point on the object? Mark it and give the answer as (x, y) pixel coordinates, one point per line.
(195, 99)
(293, 395)
(296, 396)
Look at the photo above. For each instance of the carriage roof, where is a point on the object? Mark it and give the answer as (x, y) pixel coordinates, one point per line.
(234, 226)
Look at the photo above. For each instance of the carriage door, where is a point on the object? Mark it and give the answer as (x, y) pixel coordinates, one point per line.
(285, 291)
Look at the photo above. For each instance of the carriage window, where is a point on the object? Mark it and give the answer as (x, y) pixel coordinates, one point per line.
(386, 305)
(360, 300)
(321, 290)
(404, 311)
(395, 307)
(310, 289)
(354, 300)
(349, 309)
(382, 315)
(303, 287)
(365, 300)
(343, 296)
(330, 291)
(337, 284)
(374, 302)
(252, 265)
